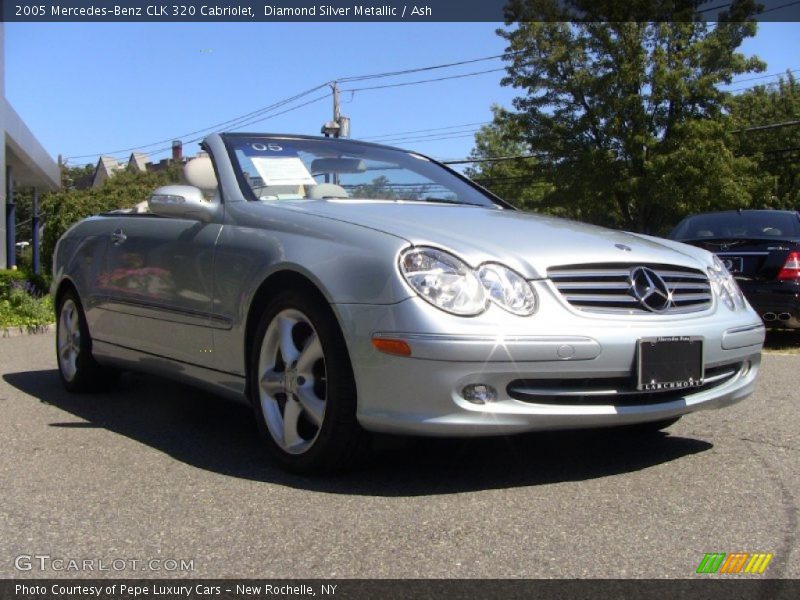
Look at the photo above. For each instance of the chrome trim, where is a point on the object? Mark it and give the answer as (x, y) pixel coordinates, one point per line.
(472, 348)
(158, 312)
(612, 290)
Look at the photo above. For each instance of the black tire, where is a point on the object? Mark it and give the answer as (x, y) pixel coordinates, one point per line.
(83, 374)
(339, 440)
(651, 427)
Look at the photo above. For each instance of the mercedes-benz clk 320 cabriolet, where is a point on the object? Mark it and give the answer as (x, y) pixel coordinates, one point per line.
(342, 287)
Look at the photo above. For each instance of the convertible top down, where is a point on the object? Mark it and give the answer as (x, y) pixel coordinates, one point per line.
(341, 287)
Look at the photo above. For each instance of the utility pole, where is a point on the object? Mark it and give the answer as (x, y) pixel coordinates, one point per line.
(339, 126)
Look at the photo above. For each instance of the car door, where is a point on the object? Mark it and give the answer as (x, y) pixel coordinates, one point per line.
(156, 288)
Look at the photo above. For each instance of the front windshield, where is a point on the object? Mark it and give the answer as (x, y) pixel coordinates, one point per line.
(274, 169)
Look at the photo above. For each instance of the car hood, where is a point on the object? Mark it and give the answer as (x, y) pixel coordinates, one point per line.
(526, 242)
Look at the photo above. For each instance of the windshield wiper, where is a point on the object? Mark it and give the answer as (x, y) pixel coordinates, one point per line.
(452, 201)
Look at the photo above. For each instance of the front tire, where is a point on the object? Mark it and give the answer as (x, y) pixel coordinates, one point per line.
(302, 387)
(77, 367)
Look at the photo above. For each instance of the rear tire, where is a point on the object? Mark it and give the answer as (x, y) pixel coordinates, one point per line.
(302, 387)
(78, 369)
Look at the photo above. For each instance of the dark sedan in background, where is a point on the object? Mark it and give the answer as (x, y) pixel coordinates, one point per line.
(761, 248)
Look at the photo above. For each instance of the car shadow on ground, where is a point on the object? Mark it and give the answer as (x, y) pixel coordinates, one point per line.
(783, 340)
(211, 433)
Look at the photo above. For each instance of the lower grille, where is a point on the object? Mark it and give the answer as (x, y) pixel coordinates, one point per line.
(611, 391)
(609, 287)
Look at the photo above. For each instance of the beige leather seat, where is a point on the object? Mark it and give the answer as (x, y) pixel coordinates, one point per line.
(327, 190)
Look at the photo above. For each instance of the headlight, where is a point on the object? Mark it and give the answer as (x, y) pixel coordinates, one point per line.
(508, 289)
(725, 286)
(443, 280)
(449, 283)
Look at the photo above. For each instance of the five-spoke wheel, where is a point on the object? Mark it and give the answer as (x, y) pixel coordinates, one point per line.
(68, 339)
(302, 386)
(293, 382)
(78, 370)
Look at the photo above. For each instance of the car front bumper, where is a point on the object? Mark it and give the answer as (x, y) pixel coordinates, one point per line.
(549, 373)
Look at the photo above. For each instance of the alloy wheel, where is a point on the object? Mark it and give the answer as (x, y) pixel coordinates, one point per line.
(69, 339)
(292, 381)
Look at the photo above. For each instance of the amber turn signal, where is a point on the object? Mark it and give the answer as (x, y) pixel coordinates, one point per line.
(390, 346)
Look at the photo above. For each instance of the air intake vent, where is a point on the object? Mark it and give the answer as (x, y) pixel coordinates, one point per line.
(614, 288)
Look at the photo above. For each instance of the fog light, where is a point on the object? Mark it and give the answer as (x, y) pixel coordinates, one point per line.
(479, 393)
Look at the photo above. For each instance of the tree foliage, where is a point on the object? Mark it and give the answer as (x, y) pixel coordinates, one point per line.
(512, 180)
(60, 210)
(627, 118)
(767, 125)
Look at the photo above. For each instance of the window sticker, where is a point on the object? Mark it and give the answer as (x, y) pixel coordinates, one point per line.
(277, 164)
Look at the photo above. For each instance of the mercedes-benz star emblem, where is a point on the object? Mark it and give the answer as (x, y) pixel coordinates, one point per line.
(650, 290)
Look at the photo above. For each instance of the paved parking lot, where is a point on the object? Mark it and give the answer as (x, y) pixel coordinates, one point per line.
(157, 470)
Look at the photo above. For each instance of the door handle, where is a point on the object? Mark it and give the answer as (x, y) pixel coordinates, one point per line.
(118, 237)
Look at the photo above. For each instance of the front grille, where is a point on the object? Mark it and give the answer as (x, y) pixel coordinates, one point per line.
(607, 287)
(612, 391)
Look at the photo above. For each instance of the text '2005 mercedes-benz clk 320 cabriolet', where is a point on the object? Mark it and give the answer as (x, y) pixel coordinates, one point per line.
(342, 287)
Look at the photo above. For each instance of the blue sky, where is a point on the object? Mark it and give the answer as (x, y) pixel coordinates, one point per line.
(91, 88)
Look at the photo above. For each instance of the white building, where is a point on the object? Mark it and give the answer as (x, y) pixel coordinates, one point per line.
(23, 161)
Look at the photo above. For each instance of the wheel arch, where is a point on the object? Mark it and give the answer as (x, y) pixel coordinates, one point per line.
(64, 285)
(276, 282)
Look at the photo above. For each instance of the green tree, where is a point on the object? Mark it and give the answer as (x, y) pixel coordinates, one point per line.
(60, 210)
(767, 122)
(518, 181)
(627, 117)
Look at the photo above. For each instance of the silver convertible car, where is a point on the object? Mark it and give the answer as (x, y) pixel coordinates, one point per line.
(342, 287)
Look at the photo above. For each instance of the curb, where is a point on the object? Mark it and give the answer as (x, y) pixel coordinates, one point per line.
(9, 332)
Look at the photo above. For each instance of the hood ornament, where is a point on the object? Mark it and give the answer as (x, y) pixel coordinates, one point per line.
(623, 247)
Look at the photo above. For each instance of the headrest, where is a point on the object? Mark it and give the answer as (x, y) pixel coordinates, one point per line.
(199, 172)
(327, 190)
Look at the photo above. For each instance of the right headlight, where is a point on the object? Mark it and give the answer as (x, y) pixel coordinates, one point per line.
(725, 286)
(450, 284)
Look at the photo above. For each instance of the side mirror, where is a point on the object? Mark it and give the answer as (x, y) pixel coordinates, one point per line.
(182, 202)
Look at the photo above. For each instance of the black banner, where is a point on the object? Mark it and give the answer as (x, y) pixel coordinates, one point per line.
(706, 587)
(393, 10)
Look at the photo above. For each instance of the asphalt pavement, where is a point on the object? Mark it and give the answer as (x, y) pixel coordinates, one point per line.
(156, 470)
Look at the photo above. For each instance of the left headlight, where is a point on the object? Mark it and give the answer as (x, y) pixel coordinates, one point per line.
(725, 286)
(508, 289)
(450, 284)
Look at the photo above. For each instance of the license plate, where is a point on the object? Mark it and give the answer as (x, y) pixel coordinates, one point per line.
(732, 263)
(670, 363)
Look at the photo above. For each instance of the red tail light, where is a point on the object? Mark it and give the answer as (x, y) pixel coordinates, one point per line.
(791, 270)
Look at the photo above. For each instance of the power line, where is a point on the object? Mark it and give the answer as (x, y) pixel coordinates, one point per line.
(467, 161)
(778, 74)
(211, 127)
(751, 87)
(768, 126)
(245, 123)
(428, 68)
(420, 81)
(233, 122)
(399, 133)
(442, 135)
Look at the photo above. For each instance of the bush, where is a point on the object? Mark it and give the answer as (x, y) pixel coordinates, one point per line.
(7, 280)
(22, 302)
